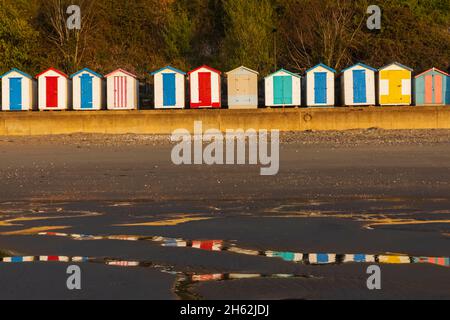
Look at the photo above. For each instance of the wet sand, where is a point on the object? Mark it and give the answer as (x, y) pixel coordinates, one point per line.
(373, 193)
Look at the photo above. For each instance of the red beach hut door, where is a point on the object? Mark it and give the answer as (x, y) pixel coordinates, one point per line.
(204, 87)
(52, 92)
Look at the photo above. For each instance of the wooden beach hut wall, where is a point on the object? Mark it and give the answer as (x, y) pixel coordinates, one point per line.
(242, 88)
(358, 85)
(53, 90)
(320, 86)
(169, 88)
(205, 90)
(87, 90)
(283, 88)
(395, 85)
(432, 87)
(18, 91)
(122, 90)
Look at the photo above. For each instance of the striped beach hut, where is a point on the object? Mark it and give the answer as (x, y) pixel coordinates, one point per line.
(18, 91)
(283, 88)
(205, 88)
(242, 88)
(122, 89)
(53, 90)
(320, 82)
(432, 87)
(395, 87)
(87, 89)
(169, 88)
(358, 85)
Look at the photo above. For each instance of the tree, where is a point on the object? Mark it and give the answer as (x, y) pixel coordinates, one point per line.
(325, 31)
(249, 35)
(71, 44)
(17, 40)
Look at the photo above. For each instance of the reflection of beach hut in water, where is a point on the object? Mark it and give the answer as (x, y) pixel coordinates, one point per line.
(87, 90)
(122, 90)
(169, 88)
(320, 82)
(358, 85)
(283, 89)
(205, 88)
(53, 90)
(18, 91)
(242, 88)
(395, 85)
(432, 87)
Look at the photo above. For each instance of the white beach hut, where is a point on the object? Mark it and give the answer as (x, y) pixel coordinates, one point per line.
(358, 85)
(18, 91)
(53, 90)
(122, 90)
(169, 88)
(283, 88)
(87, 88)
(320, 82)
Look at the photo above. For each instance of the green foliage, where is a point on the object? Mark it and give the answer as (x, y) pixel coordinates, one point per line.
(143, 35)
(17, 40)
(249, 35)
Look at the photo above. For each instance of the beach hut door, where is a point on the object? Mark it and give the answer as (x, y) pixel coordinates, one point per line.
(320, 87)
(86, 91)
(204, 86)
(359, 86)
(242, 88)
(52, 92)
(169, 95)
(282, 88)
(15, 97)
(120, 92)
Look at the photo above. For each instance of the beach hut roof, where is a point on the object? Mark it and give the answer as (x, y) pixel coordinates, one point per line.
(54, 70)
(284, 70)
(86, 70)
(206, 67)
(433, 69)
(397, 64)
(323, 66)
(360, 64)
(168, 68)
(18, 71)
(123, 71)
(245, 68)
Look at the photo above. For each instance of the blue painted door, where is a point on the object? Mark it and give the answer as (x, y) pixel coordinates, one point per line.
(86, 91)
(282, 90)
(320, 87)
(169, 91)
(15, 94)
(359, 86)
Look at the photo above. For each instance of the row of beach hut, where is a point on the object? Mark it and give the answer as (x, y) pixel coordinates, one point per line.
(359, 87)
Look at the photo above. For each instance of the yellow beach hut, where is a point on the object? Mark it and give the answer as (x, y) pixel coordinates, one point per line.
(395, 85)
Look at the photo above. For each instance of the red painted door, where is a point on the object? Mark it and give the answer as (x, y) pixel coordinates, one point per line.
(120, 92)
(52, 92)
(204, 87)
